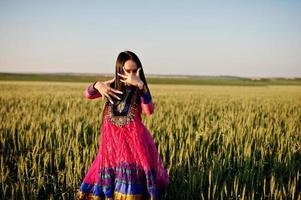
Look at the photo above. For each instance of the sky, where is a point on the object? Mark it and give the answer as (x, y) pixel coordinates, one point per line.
(236, 38)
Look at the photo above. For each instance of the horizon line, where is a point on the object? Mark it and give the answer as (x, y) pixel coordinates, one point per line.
(149, 74)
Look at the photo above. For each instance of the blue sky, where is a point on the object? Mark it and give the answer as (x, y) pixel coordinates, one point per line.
(239, 38)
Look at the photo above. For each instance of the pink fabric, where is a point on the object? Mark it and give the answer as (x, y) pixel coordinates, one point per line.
(131, 143)
(89, 95)
(148, 108)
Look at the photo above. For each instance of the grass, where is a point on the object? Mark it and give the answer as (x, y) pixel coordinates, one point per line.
(217, 142)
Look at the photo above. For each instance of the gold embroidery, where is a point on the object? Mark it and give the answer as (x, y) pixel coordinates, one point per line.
(121, 106)
(121, 196)
(86, 196)
(126, 119)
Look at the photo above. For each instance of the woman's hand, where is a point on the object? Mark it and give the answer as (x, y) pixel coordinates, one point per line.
(106, 91)
(132, 79)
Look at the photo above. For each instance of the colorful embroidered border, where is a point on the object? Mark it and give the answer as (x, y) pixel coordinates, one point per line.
(125, 180)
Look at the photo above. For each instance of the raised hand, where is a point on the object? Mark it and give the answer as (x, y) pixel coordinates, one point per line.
(131, 78)
(106, 91)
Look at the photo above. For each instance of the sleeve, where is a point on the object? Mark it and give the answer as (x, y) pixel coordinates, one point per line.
(91, 92)
(146, 101)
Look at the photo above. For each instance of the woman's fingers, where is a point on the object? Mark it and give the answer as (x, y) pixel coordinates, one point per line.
(122, 75)
(138, 72)
(112, 80)
(116, 91)
(125, 81)
(109, 81)
(114, 95)
(125, 72)
(108, 96)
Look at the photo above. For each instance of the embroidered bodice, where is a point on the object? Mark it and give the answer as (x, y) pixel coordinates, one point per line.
(122, 111)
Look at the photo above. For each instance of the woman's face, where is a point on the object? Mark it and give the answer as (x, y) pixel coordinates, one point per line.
(130, 67)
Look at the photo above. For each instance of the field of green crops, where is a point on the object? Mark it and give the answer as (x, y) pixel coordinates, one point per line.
(217, 142)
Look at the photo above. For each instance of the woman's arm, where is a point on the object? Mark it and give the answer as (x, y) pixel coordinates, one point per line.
(91, 92)
(146, 101)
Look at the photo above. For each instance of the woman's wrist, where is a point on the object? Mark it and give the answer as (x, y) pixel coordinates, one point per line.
(94, 84)
(140, 85)
(92, 90)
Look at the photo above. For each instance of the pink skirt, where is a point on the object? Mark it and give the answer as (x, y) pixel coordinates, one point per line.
(127, 165)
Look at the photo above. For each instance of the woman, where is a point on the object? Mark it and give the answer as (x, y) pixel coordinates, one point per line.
(127, 165)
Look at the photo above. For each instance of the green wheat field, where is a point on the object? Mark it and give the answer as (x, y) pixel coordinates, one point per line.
(217, 142)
